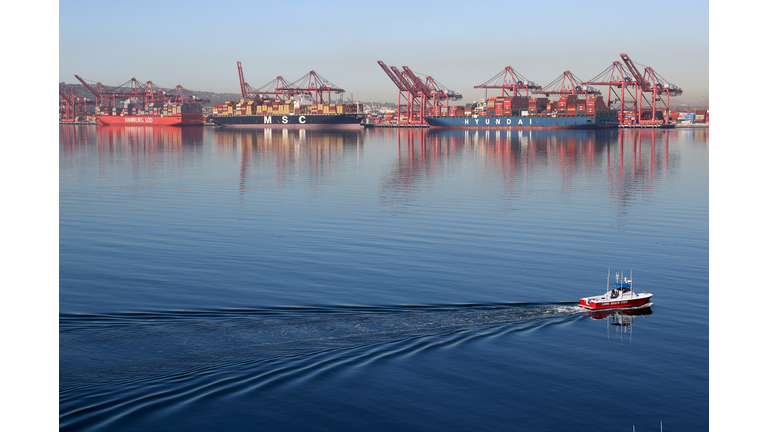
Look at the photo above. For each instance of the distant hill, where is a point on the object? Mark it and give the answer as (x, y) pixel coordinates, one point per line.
(215, 98)
(687, 104)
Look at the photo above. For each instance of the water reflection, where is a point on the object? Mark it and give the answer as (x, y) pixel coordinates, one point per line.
(73, 137)
(623, 166)
(289, 151)
(288, 146)
(307, 154)
(620, 320)
(148, 138)
(626, 162)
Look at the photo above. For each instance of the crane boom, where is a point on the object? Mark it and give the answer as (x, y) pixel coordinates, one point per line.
(509, 81)
(95, 93)
(415, 81)
(635, 73)
(569, 84)
(403, 81)
(243, 84)
(395, 79)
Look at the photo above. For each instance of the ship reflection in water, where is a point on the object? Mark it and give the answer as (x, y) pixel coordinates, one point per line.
(625, 164)
(289, 157)
(149, 138)
(622, 319)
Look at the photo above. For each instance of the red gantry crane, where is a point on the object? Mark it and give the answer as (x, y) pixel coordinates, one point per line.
(439, 92)
(661, 87)
(419, 96)
(404, 90)
(315, 85)
(653, 83)
(432, 91)
(627, 76)
(73, 108)
(569, 87)
(273, 88)
(139, 92)
(130, 90)
(567, 84)
(182, 96)
(510, 82)
(422, 96)
(96, 93)
(618, 78)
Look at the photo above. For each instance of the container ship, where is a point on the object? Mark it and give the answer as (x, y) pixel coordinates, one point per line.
(299, 111)
(518, 112)
(160, 114)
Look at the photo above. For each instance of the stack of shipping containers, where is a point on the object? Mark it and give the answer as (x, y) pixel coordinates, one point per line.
(279, 107)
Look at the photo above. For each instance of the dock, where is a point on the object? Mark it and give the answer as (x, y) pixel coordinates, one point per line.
(396, 126)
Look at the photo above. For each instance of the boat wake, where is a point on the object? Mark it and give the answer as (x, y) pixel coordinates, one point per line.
(133, 342)
(122, 359)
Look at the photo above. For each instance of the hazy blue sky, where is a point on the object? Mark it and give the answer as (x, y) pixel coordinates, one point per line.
(460, 43)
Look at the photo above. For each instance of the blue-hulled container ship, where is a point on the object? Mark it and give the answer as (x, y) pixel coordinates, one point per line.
(517, 112)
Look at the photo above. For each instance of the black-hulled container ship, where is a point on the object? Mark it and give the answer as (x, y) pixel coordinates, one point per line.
(301, 111)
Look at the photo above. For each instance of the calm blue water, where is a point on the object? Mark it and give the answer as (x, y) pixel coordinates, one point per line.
(380, 279)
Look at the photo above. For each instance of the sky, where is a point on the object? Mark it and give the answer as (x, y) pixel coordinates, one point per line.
(460, 44)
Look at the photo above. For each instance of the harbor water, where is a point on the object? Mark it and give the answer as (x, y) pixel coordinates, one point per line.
(380, 279)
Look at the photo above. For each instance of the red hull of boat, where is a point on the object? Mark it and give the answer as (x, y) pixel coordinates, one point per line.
(615, 304)
(148, 120)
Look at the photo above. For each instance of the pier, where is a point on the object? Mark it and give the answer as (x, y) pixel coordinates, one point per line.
(396, 126)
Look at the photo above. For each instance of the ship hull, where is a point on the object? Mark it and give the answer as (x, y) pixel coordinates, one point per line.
(529, 122)
(149, 120)
(288, 120)
(615, 304)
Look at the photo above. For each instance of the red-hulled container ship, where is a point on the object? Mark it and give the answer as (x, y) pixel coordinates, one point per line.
(160, 114)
